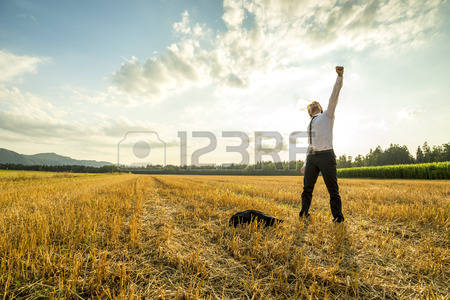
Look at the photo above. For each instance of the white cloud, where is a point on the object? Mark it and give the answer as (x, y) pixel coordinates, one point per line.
(183, 26)
(112, 95)
(30, 116)
(13, 66)
(233, 14)
(408, 113)
(284, 33)
(27, 115)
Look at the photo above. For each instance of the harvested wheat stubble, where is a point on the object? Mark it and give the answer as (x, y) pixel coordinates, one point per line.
(125, 236)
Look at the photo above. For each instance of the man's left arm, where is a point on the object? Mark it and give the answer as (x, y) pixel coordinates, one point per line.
(335, 94)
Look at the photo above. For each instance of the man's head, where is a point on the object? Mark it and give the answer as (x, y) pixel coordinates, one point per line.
(314, 108)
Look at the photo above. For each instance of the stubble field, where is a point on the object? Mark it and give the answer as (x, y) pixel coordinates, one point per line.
(167, 236)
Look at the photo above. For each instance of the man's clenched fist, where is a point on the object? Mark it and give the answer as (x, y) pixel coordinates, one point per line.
(340, 70)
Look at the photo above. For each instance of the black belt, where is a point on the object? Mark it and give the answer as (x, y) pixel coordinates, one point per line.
(312, 152)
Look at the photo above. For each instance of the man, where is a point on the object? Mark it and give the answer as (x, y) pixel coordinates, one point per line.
(320, 156)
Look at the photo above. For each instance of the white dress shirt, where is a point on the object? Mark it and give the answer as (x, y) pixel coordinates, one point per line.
(322, 125)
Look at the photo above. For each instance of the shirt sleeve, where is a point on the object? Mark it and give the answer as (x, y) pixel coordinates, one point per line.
(334, 97)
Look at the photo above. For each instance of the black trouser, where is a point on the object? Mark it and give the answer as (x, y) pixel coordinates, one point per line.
(324, 162)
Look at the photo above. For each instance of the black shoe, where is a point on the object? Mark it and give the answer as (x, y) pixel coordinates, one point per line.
(339, 219)
(303, 214)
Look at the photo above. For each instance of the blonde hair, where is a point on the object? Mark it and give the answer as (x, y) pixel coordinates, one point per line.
(314, 108)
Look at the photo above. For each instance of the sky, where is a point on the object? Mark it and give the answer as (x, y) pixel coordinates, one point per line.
(76, 76)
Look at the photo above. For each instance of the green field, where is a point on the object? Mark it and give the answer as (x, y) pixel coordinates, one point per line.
(440, 170)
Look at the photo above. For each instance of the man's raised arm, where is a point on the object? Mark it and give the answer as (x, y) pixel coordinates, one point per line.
(335, 94)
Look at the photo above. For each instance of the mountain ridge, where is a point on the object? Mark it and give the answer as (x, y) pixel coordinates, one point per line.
(49, 159)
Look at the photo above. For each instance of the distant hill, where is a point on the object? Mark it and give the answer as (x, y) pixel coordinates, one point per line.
(48, 159)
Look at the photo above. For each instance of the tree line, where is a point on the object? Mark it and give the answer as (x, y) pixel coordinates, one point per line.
(63, 168)
(393, 155)
(396, 155)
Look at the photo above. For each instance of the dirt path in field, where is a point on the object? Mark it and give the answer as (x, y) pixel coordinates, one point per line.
(188, 254)
(275, 196)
